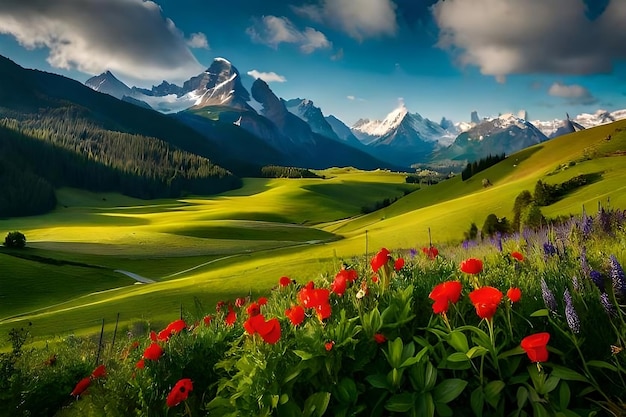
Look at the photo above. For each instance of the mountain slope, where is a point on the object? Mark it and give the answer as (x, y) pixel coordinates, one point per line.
(108, 84)
(306, 110)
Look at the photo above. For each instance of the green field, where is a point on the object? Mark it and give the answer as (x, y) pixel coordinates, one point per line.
(200, 250)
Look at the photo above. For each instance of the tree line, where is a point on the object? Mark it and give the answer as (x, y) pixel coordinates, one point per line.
(482, 164)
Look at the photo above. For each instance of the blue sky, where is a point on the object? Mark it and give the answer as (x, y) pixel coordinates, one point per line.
(353, 58)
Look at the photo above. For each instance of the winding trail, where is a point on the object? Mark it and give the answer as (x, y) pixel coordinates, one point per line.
(136, 277)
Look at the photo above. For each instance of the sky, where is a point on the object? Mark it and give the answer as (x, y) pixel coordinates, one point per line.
(354, 58)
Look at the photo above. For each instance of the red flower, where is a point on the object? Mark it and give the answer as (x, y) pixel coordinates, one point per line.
(380, 338)
(514, 294)
(517, 256)
(252, 323)
(231, 317)
(398, 264)
(262, 301)
(535, 346)
(173, 328)
(153, 336)
(380, 259)
(472, 266)
(349, 274)
(140, 364)
(207, 320)
(179, 393)
(270, 330)
(219, 305)
(445, 293)
(82, 385)
(323, 311)
(329, 345)
(317, 299)
(253, 309)
(99, 372)
(339, 285)
(153, 352)
(486, 300)
(295, 314)
(239, 302)
(284, 281)
(431, 252)
(375, 278)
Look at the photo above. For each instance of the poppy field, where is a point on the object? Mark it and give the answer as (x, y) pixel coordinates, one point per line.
(532, 324)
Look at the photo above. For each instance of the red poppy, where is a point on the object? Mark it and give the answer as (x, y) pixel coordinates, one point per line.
(399, 264)
(486, 300)
(339, 285)
(380, 338)
(514, 294)
(174, 327)
(207, 320)
(284, 281)
(472, 266)
(179, 393)
(140, 364)
(375, 278)
(269, 330)
(231, 317)
(329, 345)
(153, 352)
(323, 311)
(445, 293)
(535, 346)
(153, 336)
(316, 298)
(517, 256)
(251, 324)
(431, 252)
(295, 314)
(82, 385)
(349, 274)
(380, 259)
(262, 301)
(253, 309)
(99, 372)
(240, 302)
(219, 305)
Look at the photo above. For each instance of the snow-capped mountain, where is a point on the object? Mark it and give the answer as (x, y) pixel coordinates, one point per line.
(343, 132)
(108, 84)
(306, 110)
(556, 127)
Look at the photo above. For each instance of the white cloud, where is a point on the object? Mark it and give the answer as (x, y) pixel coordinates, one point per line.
(574, 93)
(268, 77)
(360, 19)
(337, 56)
(273, 30)
(198, 40)
(129, 37)
(351, 98)
(504, 37)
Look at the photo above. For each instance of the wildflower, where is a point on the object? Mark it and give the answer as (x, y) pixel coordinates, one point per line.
(339, 285)
(252, 323)
(240, 302)
(219, 305)
(443, 294)
(82, 385)
(597, 279)
(153, 352)
(514, 294)
(548, 297)
(380, 338)
(413, 252)
(141, 364)
(535, 346)
(284, 281)
(269, 330)
(486, 300)
(618, 279)
(207, 320)
(583, 261)
(329, 345)
(180, 392)
(295, 315)
(231, 317)
(570, 313)
(261, 301)
(607, 305)
(99, 372)
(374, 279)
(349, 274)
(575, 283)
(498, 241)
(153, 336)
(471, 266)
(253, 309)
(549, 249)
(315, 298)
(380, 259)
(399, 264)
(174, 327)
(518, 256)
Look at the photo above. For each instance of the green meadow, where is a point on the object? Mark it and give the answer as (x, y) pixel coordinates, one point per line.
(203, 249)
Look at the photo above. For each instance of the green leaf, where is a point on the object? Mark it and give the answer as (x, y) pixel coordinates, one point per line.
(410, 361)
(400, 403)
(448, 390)
(378, 381)
(522, 397)
(289, 409)
(443, 410)
(395, 352)
(477, 401)
(564, 395)
(551, 383)
(492, 392)
(430, 376)
(567, 374)
(602, 364)
(316, 404)
(511, 352)
(476, 351)
(425, 406)
(544, 312)
(539, 410)
(304, 355)
(458, 340)
(346, 391)
(458, 357)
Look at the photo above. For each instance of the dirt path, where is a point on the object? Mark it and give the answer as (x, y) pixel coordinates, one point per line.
(136, 277)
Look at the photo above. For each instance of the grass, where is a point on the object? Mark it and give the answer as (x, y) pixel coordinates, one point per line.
(212, 248)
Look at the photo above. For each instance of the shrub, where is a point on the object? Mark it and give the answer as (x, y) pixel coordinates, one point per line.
(15, 240)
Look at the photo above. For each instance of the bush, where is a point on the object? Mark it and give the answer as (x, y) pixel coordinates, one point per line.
(15, 240)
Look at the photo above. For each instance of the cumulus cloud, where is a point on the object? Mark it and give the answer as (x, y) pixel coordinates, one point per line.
(198, 40)
(504, 37)
(130, 37)
(351, 98)
(337, 56)
(574, 93)
(273, 30)
(360, 19)
(268, 77)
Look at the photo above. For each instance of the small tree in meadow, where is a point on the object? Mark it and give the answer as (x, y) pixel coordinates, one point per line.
(15, 240)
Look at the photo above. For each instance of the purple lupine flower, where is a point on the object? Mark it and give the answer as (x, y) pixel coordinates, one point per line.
(586, 225)
(548, 298)
(498, 242)
(549, 249)
(583, 261)
(575, 283)
(607, 305)
(617, 277)
(570, 313)
(413, 252)
(597, 279)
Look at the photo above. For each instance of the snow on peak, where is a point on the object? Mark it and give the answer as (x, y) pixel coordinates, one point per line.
(380, 128)
(224, 60)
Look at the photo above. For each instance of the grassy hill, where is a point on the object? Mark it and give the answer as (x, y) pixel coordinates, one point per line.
(202, 250)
